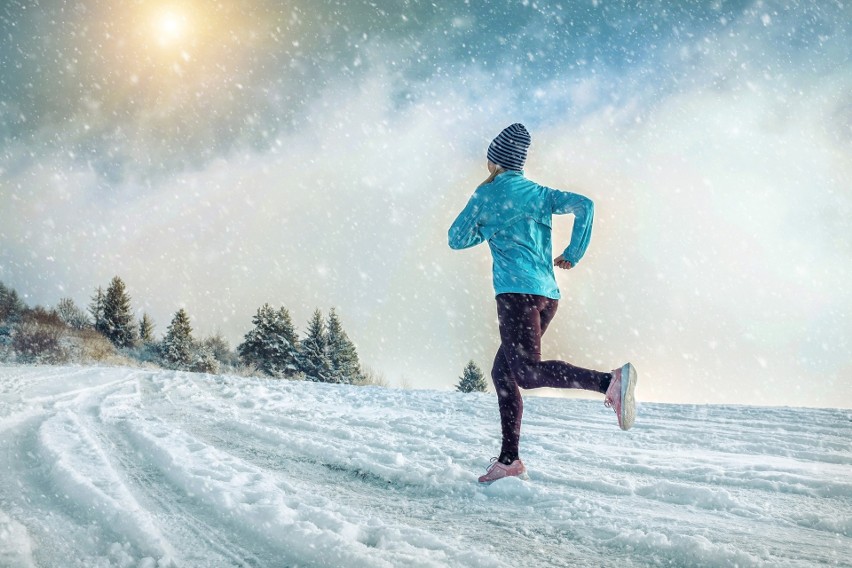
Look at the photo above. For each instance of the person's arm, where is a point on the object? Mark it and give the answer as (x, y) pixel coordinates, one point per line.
(464, 232)
(563, 202)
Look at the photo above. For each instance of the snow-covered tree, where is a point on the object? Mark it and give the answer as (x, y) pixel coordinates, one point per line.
(220, 348)
(177, 348)
(313, 358)
(96, 308)
(272, 345)
(203, 360)
(342, 356)
(146, 328)
(117, 316)
(72, 315)
(472, 380)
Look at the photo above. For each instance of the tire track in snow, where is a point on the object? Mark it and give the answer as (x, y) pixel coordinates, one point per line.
(196, 542)
(178, 514)
(81, 471)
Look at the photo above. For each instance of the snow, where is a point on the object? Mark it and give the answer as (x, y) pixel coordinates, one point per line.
(143, 468)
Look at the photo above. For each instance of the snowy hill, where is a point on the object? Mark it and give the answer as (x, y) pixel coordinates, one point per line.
(124, 467)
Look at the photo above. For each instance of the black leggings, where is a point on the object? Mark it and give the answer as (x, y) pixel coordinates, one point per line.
(523, 320)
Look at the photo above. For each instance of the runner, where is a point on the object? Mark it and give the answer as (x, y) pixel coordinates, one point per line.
(514, 215)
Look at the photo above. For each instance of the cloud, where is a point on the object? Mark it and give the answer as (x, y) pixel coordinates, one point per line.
(719, 172)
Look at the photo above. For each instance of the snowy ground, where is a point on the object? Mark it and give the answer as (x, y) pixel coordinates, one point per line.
(122, 467)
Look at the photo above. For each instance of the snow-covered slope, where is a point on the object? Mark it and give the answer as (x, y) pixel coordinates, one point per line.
(121, 467)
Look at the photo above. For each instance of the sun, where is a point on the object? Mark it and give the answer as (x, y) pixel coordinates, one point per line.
(170, 26)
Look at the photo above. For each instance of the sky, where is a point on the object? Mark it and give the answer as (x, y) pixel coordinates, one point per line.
(312, 154)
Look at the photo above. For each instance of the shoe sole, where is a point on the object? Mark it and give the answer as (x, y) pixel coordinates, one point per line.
(628, 396)
(523, 477)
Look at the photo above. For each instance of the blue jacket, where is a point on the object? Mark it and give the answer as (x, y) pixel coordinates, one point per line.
(514, 215)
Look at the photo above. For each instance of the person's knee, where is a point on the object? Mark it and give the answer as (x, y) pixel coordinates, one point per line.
(525, 369)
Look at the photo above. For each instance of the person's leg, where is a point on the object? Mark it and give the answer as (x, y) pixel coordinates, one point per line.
(511, 407)
(523, 319)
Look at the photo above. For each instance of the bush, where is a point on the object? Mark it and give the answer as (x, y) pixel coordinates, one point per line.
(218, 345)
(203, 360)
(369, 377)
(43, 316)
(5, 334)
(148, 352)
(38, 342)
(5, 342)
(93, 346)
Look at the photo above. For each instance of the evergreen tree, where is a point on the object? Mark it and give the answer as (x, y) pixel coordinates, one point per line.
(117, 316)
(342, 356)
(96, 308)
(313, 358)
(472, 380)
(146, 328)
(177, 347)
(272, 346)
(11, 306)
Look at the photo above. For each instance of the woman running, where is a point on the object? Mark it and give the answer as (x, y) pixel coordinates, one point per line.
(514, 215)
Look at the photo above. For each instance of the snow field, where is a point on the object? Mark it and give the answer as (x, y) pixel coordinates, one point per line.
(118, 467)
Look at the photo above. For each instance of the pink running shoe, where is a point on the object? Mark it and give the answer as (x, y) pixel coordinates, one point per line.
(498, 470)
(620, 395)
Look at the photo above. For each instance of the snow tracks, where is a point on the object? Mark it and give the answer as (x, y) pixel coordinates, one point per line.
(130, 468)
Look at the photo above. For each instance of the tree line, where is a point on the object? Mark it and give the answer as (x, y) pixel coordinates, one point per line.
(272, 347)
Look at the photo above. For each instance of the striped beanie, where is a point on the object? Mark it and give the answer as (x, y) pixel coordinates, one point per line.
(509, 149)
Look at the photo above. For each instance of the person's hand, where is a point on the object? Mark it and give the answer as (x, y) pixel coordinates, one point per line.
(560, 262)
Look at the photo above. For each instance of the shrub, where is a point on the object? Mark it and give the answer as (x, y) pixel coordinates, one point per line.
(203, 360)
(94, 346)
(369, 377)
(43, 316)
(218, 345)
(38, 342)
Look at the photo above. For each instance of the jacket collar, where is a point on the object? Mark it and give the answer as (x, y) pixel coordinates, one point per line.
(511, 173)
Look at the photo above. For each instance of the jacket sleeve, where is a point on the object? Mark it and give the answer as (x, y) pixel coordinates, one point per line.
(584, 213)
(465, 230)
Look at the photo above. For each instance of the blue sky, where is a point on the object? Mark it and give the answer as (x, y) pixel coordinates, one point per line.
(313, 154)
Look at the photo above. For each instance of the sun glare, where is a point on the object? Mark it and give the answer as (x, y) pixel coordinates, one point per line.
(170, 26)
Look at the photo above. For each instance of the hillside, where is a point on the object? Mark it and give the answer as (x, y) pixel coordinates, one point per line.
(128, 467)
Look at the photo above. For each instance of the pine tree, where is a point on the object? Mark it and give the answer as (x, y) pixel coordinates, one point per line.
(11, 306)
(146, 328)
(117, 316)
(96, 308)
(472, 380)
(342, 356)
(272, 346)
(177, 347)
(313, 357)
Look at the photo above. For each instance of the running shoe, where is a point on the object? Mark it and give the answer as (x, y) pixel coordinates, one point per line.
(620, 395)
(499, 470)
